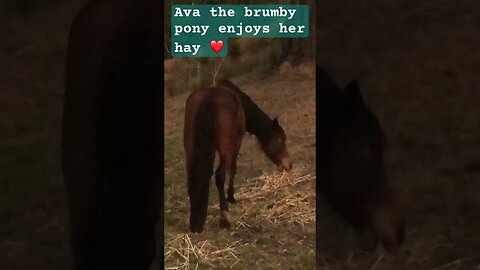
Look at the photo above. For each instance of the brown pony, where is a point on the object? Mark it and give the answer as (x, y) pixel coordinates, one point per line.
(216, 119)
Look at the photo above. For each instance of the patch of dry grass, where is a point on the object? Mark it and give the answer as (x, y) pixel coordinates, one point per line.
(280, 197)
(302, 71)
(253, 56)
(181, 253)
(180, 75)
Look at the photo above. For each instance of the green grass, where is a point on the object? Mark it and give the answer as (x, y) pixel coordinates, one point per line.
(173, 145)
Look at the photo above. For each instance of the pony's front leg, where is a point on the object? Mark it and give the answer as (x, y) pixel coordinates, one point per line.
(220, 175)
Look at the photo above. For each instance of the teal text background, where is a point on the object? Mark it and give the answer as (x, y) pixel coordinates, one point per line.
(298, 23)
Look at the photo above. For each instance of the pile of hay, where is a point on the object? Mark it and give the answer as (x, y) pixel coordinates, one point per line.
(280, 197)
(287, 198)
(181, 253)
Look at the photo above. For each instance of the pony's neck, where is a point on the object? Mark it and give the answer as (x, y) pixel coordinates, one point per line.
(257, 122)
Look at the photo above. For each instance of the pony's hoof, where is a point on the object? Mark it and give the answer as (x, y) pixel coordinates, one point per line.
(224, 224)
(231, 200)
(196, 229)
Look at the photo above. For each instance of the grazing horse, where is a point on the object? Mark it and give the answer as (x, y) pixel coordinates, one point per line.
(112, 136)
(351, 167)
(216, 119)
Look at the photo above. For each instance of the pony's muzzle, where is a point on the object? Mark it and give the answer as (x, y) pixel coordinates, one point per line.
(285, 164)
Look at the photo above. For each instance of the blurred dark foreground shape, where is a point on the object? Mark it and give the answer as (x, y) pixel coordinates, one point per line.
(352, 174)
(111, 144)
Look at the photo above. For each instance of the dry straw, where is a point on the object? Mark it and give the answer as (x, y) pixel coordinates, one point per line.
(280, 197)
(287, 198)
(182, 253)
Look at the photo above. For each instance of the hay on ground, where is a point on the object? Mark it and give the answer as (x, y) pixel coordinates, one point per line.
(181, 253)
(280, 197)
(276, 198)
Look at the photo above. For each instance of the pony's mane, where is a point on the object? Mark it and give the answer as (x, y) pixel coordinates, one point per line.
(247, 102)
(257, 120)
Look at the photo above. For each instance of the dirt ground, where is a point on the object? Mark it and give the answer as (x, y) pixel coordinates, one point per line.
(418, 66)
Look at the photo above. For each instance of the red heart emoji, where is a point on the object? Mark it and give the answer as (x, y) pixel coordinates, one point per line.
(216, 45)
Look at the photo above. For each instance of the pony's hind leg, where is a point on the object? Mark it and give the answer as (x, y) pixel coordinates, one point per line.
(220, 175)
(231, 191)
(233, 171)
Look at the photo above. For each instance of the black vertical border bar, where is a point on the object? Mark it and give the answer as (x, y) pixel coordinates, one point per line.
(318, 31)
(161, 48)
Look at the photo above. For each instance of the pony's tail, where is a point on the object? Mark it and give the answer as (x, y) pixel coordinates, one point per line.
(202, 166)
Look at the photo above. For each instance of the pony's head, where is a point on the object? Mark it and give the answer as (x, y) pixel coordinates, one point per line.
(275, 147)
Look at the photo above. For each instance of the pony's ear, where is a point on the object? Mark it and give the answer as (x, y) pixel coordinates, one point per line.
(352, 93)
(275, 122)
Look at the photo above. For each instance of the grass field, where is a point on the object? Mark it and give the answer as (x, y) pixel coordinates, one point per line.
(418, 66)
(273, 224)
